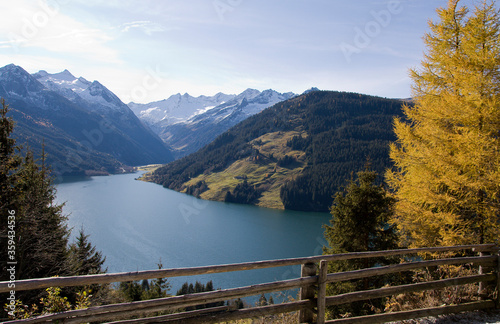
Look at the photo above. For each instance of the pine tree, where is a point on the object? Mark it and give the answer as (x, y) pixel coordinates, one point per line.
(84, 258)
(360, 217)
(159, 287)
(447, 162)
(184, 290)
(145, 285)
(239, 304)
(26, 188)
(262, 300)
(9, 163)
(131, 290)
(39, 232)
(42, 232)
(209, 286)
(199, 287)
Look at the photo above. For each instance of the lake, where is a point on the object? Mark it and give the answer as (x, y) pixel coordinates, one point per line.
(136, 224)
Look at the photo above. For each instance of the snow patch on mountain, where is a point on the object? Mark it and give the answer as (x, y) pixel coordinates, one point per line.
(244, 105)
(92, 95)
(190, 130)
(177, 108)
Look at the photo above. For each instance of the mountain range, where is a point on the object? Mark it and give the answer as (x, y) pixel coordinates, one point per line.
(83, 126)
(189, 123)
(270, 149)
(294, 155)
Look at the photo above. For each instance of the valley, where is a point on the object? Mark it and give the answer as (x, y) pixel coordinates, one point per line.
(162, 161)
(81, 126)
(293, 155)
(269, 149)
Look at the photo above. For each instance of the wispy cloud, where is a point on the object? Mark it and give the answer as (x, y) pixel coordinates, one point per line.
(147, 27)
(38, 25)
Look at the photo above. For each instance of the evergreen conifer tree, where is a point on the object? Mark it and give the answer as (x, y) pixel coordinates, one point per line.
(271, 300)
(360, 217)
(40, 233)
(132, 290)
(239, 304)
(84, 258)
(159, 287)
(9, 163)
(262, 300)
(447, 162)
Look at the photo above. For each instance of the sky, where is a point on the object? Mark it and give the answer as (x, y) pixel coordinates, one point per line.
(147, 50)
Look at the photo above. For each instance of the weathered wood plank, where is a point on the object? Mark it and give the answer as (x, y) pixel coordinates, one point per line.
(370, 272)
(177, 316)
(107, 312)
(307, 292)
(321, 307)
(229, 315)
(498, 279)
(400, 316)
(255, 312)
(421, 286)
(43, 283)
(139, 308)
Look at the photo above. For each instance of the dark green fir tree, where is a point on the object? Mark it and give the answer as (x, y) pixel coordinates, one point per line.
(39, 230)
(10, 161)
(158, 287)
(40, 234)
(84, 258)
(360, 216)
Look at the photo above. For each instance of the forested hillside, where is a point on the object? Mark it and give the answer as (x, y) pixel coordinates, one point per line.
(89, 132)
(299, 152)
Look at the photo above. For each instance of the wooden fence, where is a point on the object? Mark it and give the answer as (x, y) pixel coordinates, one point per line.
(312, 299)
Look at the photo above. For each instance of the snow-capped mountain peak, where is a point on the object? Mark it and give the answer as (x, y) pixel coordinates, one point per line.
(47, 105)
(92, 95)
(244, 105)
(65, 76)
(62, 79)
(187, 123)
(18, 83)
(177, 108)
(249, 94)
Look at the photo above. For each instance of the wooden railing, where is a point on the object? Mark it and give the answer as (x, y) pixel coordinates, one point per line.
(311, 302)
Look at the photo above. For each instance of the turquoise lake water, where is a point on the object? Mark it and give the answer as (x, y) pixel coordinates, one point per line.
(136, 224)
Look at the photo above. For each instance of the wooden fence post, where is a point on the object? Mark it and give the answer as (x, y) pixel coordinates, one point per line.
(483, 291)
(498, 278)
(323, 272)
(307, 315)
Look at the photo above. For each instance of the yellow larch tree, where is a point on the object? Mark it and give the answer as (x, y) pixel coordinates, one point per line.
(446, 174)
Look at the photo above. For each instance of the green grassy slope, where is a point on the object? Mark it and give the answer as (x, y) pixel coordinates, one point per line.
(324, 135)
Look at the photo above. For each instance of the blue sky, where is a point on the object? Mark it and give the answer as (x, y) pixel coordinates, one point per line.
(146, 50)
